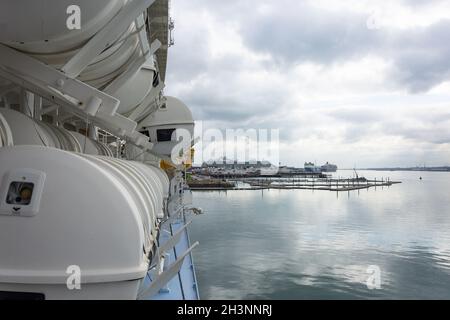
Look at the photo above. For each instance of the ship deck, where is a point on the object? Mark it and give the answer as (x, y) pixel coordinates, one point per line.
(184, 285)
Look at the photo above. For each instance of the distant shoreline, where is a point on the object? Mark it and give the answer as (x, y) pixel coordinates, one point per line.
(430, 169)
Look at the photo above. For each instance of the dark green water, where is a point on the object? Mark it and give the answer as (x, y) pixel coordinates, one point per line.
(300, 244)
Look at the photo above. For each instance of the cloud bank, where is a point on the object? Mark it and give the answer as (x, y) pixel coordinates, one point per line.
(355, 78)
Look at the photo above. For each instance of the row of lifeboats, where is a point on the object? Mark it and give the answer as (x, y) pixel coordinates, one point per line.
(19, 129)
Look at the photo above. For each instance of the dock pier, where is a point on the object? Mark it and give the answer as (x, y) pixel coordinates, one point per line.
(313, 183)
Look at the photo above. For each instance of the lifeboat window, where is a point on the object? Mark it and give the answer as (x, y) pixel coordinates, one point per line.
(20, 193)
(155, 79)
(19, 296)
(146, 133)
(164, 134)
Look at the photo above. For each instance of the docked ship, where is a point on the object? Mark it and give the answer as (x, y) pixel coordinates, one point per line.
(93, 204)
(328, 167)
(310, 167)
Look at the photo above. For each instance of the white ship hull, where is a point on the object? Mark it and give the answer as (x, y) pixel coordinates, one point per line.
(90, 196)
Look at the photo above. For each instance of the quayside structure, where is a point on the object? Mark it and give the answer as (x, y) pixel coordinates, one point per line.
(92, 199)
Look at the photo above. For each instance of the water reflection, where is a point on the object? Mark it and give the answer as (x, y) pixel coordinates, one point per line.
(296, 244)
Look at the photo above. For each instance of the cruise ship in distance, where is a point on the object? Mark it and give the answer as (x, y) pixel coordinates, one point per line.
(328, 167)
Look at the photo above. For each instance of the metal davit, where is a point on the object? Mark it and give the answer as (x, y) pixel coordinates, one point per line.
(86, 211)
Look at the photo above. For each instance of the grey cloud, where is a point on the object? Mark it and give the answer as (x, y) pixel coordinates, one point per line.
(421, 3)
(356, 115)
(216, 90)
(307, 34)
(214, 101)
(429, 134)
(188, 64)
(360, 124)
(223, 95)
(420, 57)
(304, 33)
(355, 133)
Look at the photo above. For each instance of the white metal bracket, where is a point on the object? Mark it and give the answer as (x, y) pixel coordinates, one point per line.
(172, 241)
(105, 37)
(162, 278)
(73, 95)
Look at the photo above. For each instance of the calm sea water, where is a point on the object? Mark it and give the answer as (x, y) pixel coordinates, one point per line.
(303, 244)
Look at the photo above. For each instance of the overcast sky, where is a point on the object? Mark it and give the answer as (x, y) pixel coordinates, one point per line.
(354, 82)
